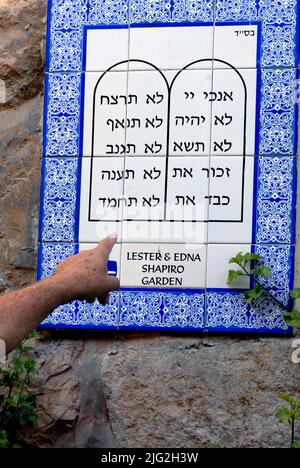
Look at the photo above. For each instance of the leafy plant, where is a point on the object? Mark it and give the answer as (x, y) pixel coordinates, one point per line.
(17, 405)
(251, 265)
(289, 416)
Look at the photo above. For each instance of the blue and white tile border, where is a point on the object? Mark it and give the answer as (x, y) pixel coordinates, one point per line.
(274, 215)
(66, 19)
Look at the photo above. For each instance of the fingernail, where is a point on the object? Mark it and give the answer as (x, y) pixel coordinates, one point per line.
(114, 235)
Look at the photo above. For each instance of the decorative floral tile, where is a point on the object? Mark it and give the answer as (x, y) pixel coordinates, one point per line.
(166, 310)
(62, 114)
(275, 214)
(278, 121)
(67, 20)
(59, 203)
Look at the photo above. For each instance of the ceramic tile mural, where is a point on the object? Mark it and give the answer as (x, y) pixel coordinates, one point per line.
(174, 124)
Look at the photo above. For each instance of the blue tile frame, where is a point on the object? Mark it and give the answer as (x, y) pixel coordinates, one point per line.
(275, 177)
(67, 19)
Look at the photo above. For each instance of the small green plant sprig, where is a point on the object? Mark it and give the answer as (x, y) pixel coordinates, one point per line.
(251, 265)
(289, 415)
(17, 405)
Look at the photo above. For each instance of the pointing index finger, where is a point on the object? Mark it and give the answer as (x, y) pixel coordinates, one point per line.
(107, 244)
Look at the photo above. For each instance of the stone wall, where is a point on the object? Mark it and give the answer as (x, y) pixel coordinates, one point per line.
(120, 390)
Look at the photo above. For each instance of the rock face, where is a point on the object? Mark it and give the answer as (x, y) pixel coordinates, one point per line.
(121, 390)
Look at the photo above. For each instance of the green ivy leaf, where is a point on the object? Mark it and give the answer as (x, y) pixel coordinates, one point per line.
(295, 294)
(29, 364)
(254, 293)
(296, 445)
(288, 398)
(292, 318)
(284, 415)
(243, 259)
(250, 257)
(233, 275)
(238, 259)
(263, 271)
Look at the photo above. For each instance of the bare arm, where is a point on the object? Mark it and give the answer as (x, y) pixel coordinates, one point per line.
(83, 276)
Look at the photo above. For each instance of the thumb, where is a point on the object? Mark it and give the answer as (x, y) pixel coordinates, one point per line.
(107, 244)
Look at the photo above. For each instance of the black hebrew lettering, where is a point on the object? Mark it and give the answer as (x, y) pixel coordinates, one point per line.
(217, 200)
(124, 123)
(189, 95)
(120, 149)
(185, 200)
(113, 202)
(187, 147)
(154, 148)
(224, 119)
(217, 172)
(153, 174)
(220, 96)
(245, 33)
(155, 122)
(182, 173)
(155, 98)
(189, 120)
(223, 146)
(118, 99)
(151, 202)
(118, 175)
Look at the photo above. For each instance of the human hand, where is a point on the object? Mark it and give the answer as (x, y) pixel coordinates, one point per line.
(85, 274)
